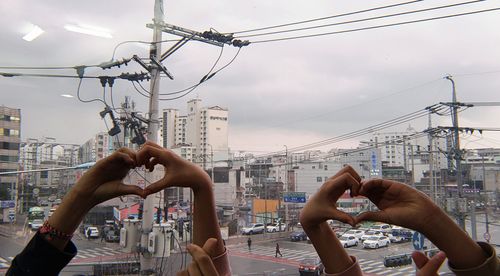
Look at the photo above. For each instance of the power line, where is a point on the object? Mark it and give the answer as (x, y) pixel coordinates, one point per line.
(376, 27)
(327, 17)
(364, 19)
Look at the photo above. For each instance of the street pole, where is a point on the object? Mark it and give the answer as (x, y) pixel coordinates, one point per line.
(147, 261)
(457, 155)
(286, 184)
(431, 161)
(412, 166)
(212, 162)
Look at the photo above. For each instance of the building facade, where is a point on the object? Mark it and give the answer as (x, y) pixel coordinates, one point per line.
(10, 139)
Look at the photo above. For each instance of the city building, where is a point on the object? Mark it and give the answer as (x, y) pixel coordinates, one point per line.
(10, 139)
(204, 128)
(97, 147)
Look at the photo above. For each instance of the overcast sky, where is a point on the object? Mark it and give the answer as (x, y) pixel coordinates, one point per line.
(290, 93)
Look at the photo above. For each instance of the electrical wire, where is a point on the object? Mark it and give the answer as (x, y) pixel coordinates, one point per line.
(86, 101)
(139, 41)
(211, 75)
(42, 67)
(363, 19)
(202, 79)
(327, 17)
(138, 91)
(376, 26)
(358, 104)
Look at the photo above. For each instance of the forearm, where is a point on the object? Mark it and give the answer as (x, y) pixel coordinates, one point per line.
(67, 217)
(330, 250)
(460, 249)
(205, 222)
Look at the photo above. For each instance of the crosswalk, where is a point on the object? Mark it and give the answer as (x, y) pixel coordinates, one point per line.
(82, 255)
(295, 255)
(96, 252)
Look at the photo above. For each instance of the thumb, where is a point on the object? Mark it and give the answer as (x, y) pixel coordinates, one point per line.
(210, 247)
(434, 263)
(372, 216)
(124, 189)
(419, 259)
(343, 217)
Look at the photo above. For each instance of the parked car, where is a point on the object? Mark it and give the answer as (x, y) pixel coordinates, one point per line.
(371, 233)
(395, 239)
(112, 236)
(355, 233)
(376, 242)
(404, 233)
(254, 228)
(311, 266)
(384, 228)
(298, 236)
(36, 223)
(347, 241)
(92, 232)
(276, 227)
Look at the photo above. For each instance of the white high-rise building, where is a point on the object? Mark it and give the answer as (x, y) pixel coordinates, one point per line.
(204, 128)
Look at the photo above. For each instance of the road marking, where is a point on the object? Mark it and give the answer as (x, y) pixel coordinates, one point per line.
(11, 258)
(373, 270)
(3, 260)
(392, 274)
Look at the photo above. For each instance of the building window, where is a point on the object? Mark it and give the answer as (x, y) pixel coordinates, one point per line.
(313, 167)
(319, 179)
(326, 167)
(44, 174)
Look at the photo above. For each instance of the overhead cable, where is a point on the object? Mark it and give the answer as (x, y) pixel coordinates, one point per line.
(327, 17)
(376, 27)
(363, 19)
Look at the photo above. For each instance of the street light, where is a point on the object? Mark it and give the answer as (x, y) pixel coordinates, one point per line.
(212, 161)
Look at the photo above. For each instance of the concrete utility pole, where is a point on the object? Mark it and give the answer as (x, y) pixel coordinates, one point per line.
(431, 161)
(457, 155)
(147, 260)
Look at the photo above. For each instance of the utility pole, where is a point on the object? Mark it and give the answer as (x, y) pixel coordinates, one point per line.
(457, 155)
(147, 260)
(431, 161)
(286, 184)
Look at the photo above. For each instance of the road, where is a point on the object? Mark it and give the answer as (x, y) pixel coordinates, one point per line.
(259, 261)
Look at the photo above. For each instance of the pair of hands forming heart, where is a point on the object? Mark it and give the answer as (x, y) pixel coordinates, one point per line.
(104, 180)
(398, 203)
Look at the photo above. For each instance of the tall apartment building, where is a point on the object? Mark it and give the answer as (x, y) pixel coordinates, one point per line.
(98, 147)
(10, 139)
(204, 128)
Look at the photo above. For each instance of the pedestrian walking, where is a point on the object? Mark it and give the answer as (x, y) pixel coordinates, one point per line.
(88, 233)
(103, 234)
(277, 251)
(249, 242)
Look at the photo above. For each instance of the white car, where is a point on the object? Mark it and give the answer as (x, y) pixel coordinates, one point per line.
(384, 228)
(371, 233)
(376, 242)
(37, 223)
(355, 233)
(277, 227)
(347, 241)
(395, 239)
(254, 228)
(92, 232)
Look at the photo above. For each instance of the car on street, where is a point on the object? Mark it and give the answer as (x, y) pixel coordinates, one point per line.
(112, 236)
(276, 227)
(311, 266)
(298, 236)
(371, 233)
(376, 242)
(384, 228)
(36, 223)
(92, 232)
(355, 233)
(348, 241)
(254, 228)
(395, 239)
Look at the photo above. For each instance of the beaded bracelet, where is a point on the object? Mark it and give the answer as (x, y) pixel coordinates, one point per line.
(52, 233)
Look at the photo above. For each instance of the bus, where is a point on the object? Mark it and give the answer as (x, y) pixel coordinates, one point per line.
(35, 213)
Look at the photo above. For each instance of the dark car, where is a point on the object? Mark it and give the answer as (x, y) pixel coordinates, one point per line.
(112, 236)
(311, 266)
(298, 236)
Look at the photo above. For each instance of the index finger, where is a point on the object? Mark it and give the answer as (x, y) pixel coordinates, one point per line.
(202, 259)
(375, 186)
(150, 151)
(347, 169)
